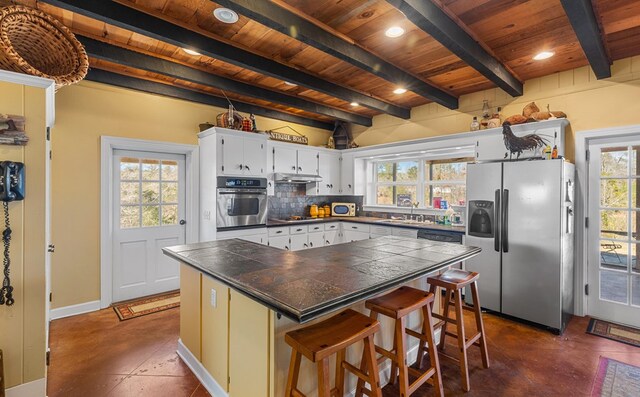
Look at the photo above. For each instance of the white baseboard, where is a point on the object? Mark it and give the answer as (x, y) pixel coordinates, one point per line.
(36, 388)
(74, 310)
(200, 372)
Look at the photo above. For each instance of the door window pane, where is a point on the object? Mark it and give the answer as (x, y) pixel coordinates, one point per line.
(613, 255)
(129, 169)
(129, 217)
(169, 170)
(613, 286)
(614, 162)
(169, 214)
(150, 215)
(635, 246)
(129, 192)
(150, 192)
(635, 290)
(614, 193)
(169, 192)
(150, 170)
(613, 224)
(633, 166)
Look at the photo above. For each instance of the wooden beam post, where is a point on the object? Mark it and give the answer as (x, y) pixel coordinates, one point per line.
(431, 19)
(271, 15)
(585, 25)
(128, 18)
(106, 77)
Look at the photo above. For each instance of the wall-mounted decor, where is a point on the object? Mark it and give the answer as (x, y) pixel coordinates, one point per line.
(34, 43)
(279, 136)
(12, 130)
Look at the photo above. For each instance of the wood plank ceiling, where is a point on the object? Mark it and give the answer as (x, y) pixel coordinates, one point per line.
(252, 61)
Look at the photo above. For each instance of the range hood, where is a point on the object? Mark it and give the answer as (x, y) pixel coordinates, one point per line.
(296, 178)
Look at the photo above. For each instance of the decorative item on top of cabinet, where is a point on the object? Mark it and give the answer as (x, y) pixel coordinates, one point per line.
(279, 136)
(532, 113)
(205, 126)
(517, 144)
(230, 119)
(331, 144)
(12, 130)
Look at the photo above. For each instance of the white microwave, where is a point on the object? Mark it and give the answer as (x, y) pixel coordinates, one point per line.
(343, 209)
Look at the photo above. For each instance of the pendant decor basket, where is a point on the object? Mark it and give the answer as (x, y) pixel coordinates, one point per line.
(34, 43)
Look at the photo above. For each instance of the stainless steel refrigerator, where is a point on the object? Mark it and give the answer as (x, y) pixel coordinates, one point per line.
(521, 214)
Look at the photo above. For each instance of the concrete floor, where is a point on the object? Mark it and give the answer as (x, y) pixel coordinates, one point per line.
(97, 355)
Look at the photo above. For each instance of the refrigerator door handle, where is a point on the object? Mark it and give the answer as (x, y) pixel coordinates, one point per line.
(505, 221)
(496, 234)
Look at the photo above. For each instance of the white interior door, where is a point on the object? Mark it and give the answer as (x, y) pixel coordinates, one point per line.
(614, 232)
(148, 215)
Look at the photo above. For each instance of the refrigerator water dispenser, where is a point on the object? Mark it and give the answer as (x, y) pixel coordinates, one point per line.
(481, 220)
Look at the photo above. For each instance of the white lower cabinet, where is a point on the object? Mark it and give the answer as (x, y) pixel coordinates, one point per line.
(257, 235)
(332, 237)
(298, 242)
(316, 239)
(281, 242)
(404, 232)
(350, 236)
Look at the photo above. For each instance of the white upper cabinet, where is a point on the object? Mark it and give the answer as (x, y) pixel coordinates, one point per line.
(285, 159)
(240, 155)
(346, 175)
(308, 161)
(329, 170)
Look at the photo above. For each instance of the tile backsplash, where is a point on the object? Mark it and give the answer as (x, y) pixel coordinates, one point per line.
(291, 200)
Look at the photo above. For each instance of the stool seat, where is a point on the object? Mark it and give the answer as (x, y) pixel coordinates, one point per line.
(453, 279)
(400, 302)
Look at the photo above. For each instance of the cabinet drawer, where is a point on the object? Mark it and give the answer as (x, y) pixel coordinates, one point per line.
(301, 229)
(278, 231)
(401, 232)
(331, 226)
(315, 228)
(359, 227)
(380, 230)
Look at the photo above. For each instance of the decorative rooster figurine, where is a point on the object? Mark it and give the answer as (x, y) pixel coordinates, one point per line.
(519, 144)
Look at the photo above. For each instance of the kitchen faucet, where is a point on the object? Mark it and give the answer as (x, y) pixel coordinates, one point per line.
(413, 205)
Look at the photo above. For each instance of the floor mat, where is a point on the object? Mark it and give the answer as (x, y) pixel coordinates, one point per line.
(617, 332)
(148, 305)
(616, 379)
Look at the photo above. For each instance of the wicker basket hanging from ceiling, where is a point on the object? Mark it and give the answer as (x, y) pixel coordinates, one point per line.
(34, 43)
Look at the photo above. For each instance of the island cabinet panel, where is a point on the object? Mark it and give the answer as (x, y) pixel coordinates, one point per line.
(249, 347)
(190, 326)
(215, 330)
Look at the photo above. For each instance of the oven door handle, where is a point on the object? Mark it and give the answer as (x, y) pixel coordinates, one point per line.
(252, 192)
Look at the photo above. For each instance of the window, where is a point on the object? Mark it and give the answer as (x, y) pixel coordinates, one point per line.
(401, 183)
(148, 192)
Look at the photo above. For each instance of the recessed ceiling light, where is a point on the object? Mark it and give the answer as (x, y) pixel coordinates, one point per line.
(225, 15)
(543, 55)
(399, 90)
(290, 83)
(394, 31)
(354, 104)
(191, 52)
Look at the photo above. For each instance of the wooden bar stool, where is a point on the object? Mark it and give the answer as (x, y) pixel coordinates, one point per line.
(453, 281)
(397, 305)
(319, 341)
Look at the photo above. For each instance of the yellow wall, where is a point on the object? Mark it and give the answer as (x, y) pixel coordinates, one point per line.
(22, 326)
(589, 104)
(84, 113)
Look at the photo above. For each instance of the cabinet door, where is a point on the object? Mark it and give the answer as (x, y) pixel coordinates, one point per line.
(215, 330)
(255, 157)
(329, 170)
(331, 237)
(284, 159)
(281, 242)
(352, 235)
(190, 285)
(249, 347)
(231, 155)
(308, 162)
(346, 175)
(403, 232)
(316, 239)
(299, 242)
(256, 238)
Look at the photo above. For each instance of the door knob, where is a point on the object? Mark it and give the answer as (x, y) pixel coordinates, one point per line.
(183, 222)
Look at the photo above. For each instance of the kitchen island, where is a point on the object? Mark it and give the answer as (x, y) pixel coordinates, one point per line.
(239, 298)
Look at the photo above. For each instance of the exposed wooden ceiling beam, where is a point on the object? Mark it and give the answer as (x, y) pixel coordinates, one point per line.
(122, 56)
(434, 21)
(585, 25)
(127, 18)
(152, 87)
(283, 20)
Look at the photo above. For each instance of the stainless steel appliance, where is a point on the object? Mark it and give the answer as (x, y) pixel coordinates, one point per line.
(241, 202)
(296, 178)
(343, 209)
(521, 214)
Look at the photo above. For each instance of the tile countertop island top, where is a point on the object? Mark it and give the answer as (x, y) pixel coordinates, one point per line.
(305, 285)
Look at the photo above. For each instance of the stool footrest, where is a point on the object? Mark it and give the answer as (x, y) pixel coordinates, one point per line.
(441, 317)
(416, 334)
(422, 378)
(355, 371)
(469, 308)
(469, 342)
(297, 393)
(386, 354)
